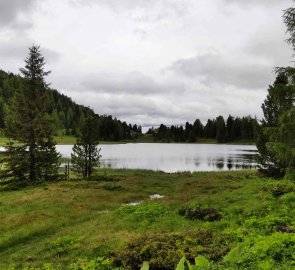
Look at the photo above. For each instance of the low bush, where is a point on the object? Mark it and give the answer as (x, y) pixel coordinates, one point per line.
(63, 245)
(164, 250)
(266, 225)
(198, 213)
(275, 251)
(280, 188)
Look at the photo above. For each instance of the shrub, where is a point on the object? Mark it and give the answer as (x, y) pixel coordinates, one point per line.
(278, 189)
(164, 250)
(63, 245)
(264, 252)
(198, 213)
(267, 224)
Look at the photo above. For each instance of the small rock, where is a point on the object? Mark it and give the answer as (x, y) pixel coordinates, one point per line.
(156, 197)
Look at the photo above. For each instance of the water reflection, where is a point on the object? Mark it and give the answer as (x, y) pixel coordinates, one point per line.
(229, 164)
(175, 157)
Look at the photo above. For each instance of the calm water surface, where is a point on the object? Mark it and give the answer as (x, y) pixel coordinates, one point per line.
(174, 157)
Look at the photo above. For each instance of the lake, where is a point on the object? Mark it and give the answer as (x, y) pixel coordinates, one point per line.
(174, 157)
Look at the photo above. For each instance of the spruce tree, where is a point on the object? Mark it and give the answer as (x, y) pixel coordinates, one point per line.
(220, 129)
(275, 151)
(27, 122)
(85, 156)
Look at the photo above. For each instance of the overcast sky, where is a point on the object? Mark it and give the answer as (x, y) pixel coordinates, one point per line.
(152, 61)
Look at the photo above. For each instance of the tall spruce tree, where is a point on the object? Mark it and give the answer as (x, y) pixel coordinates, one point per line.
(220, 129)
(85, 156)
(27, 123)
(267, 160)
(275, 142)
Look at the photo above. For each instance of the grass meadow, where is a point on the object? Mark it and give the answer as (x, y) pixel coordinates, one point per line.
(70, 221)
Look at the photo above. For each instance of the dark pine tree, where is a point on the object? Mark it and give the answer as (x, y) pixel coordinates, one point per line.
(85, 156)
(220, 129)
(26, 120)
(278, 103)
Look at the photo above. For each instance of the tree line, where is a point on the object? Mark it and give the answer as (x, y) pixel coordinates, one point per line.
(66, 115)
(229, 130)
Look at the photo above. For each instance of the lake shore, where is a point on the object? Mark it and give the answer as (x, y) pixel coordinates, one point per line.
(121, 211)
(70, 140)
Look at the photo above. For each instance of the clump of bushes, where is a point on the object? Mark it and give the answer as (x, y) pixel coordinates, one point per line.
(279, 188)
(199, 213)
(275, 251)
(267, 224)
(164, 250)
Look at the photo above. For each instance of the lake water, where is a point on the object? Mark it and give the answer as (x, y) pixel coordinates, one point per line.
(174, 157)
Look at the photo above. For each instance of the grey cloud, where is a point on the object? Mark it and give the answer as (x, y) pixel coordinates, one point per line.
(255, 2)
(142, 10)
(18, 49)
(50, 56)
(130, 83)
(214, 69)
(146, 111)
(140, 33)
(11, 11)
(270, 44)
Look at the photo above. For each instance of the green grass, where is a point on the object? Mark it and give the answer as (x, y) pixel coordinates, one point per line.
(64, 139)
(64, 222)
(3, 141)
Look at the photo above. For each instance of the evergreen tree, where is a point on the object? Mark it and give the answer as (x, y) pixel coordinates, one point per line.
(27, 123)
(271, 140)
(220, 129)
(230, 132)
(48, 160)
(15, 163)
(85, 156)
(198, 128)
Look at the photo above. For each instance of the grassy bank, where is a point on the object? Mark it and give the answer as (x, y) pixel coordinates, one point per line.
(61, 140)
(77, 221)
(65, 139)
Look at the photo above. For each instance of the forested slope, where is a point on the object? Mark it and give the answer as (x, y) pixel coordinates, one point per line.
(66, 115)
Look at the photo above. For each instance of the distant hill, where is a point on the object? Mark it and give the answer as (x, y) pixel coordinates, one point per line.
(65, 113)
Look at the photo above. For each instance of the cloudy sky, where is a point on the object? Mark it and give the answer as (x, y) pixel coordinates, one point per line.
(152, 61)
